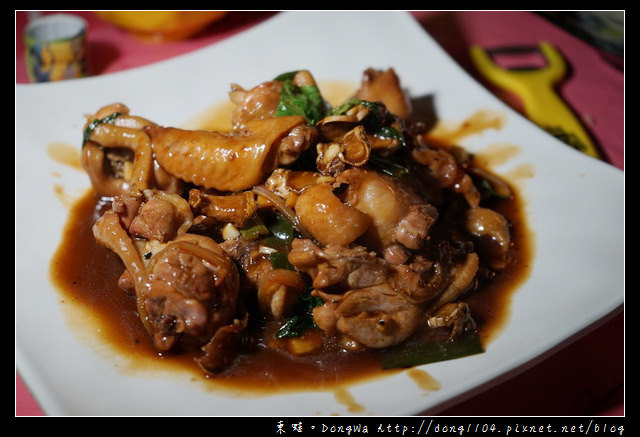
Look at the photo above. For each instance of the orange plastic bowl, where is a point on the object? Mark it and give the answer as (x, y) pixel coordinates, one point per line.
(159, 26)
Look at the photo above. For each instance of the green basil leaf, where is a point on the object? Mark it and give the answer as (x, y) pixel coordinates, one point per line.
(388, 132)
(387, 166)
(295, 326)
(302, 320)
(308, 302)
(350, 103)
(288, 76)
(303, 100)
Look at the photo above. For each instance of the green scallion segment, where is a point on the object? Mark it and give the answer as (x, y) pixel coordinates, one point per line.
(254, 228)
(90, 128)
(413, 353)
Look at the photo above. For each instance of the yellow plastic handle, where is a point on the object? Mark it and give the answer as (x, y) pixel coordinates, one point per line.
(536, 89)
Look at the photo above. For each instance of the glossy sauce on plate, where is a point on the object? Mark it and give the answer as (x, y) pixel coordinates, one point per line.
(87, 274)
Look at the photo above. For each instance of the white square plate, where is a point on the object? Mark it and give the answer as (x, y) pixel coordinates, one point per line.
(575, 208)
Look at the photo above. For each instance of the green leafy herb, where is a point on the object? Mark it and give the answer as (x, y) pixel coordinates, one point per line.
(284, 77)
(309, 301)
(302, 320)
(295, 326)
(388, 166)
(376, 120)
(110, 119)
(388, 132)
(304, 100)
(417, 353)
(350, 103)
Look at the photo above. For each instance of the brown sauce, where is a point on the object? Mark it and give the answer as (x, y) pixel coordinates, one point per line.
(86, 275)
(490, 304)
(424, 380)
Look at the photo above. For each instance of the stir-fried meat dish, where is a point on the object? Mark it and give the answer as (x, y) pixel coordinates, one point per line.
(344, 222)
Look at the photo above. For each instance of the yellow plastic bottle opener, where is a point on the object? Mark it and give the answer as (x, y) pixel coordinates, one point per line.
(536, 88)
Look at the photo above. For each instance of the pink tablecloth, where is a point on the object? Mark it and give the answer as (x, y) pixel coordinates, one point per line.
(571, 381)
